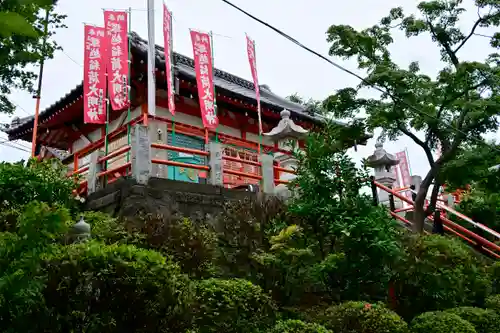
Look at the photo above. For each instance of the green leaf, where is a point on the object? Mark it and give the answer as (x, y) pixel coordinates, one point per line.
(14, 24)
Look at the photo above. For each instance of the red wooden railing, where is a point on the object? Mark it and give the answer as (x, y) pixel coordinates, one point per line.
(480, 243)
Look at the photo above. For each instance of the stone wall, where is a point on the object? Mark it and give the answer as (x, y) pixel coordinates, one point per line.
(126, 198)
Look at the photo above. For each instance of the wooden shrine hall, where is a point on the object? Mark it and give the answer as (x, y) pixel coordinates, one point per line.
(179, 147)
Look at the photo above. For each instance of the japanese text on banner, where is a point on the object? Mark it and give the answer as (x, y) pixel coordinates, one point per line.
(167, 38)
(117, 54)
(405, 171)
(253, 67)
(204, 78)
(94, 78)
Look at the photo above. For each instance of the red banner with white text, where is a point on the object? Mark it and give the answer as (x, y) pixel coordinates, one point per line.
(167, 39)
(253, 67)
(204, 78)
(116, 24)
(404, 168)
(94, 77)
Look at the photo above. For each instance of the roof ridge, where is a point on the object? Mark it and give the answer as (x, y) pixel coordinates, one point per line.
(183, 59)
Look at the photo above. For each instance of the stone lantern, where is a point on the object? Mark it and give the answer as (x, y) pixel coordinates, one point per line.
(286, 135)
(382, 162)
(80, 232)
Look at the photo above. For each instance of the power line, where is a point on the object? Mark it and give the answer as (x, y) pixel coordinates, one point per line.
(7, 144)
(486, 36)
(293, 40)
(70, 58)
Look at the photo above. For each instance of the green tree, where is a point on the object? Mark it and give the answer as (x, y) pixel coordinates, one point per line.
(451, 110)
(312, 106)
(471, 170)
(355, 243)
(24, 40)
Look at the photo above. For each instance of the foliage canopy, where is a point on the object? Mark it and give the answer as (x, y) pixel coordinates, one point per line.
(451, 110)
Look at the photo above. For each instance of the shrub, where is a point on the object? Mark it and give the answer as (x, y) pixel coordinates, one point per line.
(93, 287)
(440, 322)
(361, 317)
(298, 326)
(243, 229)
(494, 270)
(367, 249)
(286, 268)
(357, 244)
(231, 306)
(44, 181)
(493, 303)
(484, 321)
(110, 230)
(192, 244)
(439, 273)
(38, 229)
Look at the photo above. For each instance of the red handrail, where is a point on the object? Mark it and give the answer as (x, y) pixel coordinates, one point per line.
(114, 154)
(180, 149)
(240, 160)
(118, 168)
(242, 174)
(181, 164)
(449, 226)
(277, 168)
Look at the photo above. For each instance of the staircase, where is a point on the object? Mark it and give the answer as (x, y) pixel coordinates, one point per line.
(485, 244)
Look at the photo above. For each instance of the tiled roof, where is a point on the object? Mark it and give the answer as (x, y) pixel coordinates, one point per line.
(184, 66)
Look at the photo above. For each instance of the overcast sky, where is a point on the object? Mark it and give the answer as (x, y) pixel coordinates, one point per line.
(283, 66)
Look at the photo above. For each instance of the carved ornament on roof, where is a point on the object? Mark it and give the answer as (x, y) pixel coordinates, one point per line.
(286, 129)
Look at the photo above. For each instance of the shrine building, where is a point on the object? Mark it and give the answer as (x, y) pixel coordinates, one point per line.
(178, 145)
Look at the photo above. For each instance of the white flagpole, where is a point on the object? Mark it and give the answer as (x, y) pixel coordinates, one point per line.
(151, 59)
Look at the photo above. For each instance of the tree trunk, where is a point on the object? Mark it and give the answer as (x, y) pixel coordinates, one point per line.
(420, 214)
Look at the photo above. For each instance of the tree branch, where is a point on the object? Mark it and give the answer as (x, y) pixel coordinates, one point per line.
(449, 51)
(474, 27)
(419, 142)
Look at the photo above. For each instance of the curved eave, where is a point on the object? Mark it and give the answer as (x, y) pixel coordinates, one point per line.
(26, 125)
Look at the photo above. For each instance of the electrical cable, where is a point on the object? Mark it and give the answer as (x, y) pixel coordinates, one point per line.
(293, 40)
(7, 144)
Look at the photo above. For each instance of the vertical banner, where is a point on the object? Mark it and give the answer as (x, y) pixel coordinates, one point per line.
(253, 67)
(404, 168)
(94, 77)
(116, 24)
(204, 78)
(394, 170)
(167, 39)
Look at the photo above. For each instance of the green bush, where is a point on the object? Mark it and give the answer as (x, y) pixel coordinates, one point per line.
(298, 326)
(286, 268)
(439, 273)
(192, 244)
(441, 322)
(356, 244)
(110, 230)
(367, 249)
(231, 306)
(484, 321)
(39, 229)
(93, 287)
(493, 303)
(44, 181)
(361, 317)
(244, 228)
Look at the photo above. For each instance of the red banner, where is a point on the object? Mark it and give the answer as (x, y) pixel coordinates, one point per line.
(117, 55)
(404, 168)
(167, 38)
(204, 77)
(253, 68)
(394, 170)
(94, 77)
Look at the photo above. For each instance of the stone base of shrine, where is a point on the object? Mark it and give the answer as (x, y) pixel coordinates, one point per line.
(126, 198)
